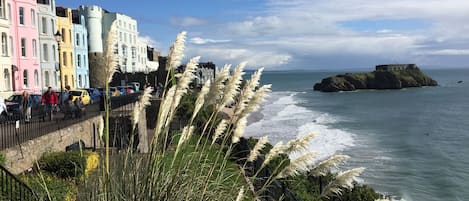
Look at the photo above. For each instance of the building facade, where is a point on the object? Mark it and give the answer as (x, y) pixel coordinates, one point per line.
(142, 64)
(6, 86)
(395, 67)
(80, 47)
(98, 23)
(65, 26)
(126, 45)
(25, 46)
(48, 44)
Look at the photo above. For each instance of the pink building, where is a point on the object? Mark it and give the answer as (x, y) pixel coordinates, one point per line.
(25, 45)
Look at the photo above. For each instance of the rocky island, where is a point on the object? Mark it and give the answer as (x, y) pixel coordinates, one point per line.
(390, 76)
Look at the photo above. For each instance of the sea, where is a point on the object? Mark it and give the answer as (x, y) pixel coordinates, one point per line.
(414, 142)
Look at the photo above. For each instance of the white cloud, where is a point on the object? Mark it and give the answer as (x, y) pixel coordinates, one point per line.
(148, 40)
(287, 31)
(187, 21)
(201, 41)
(255, 58)
(446, 52)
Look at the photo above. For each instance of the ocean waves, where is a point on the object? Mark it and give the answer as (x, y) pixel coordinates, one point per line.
(283, 118)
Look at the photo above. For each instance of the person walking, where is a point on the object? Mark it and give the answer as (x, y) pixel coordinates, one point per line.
(26, 104)
(49, 100)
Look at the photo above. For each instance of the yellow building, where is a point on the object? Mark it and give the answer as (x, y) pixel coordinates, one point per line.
(64, 27)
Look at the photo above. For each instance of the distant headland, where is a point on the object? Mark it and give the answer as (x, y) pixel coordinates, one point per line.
(388, 76)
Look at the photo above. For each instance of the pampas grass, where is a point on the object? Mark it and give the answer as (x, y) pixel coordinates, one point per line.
(257, 148)
(140, 105)
(298, 165)
(342, 180)
(191, 169)
(239, 130)
(325, 166)
(219, 130)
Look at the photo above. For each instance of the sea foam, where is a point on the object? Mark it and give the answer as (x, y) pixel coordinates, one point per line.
(284, 118)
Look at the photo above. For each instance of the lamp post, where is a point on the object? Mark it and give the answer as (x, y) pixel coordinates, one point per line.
(58, 38)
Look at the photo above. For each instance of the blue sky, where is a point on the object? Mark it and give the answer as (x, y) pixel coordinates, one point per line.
(306, 34)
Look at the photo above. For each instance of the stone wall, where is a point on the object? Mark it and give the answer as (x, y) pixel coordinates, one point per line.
(19, 160)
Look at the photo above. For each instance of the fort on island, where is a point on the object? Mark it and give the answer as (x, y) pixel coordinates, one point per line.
(395, 67)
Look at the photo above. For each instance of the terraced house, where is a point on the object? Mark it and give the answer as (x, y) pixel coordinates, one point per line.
(64, 27)
(5, 60)
(80, 48)
(25, 51)
(48, 44)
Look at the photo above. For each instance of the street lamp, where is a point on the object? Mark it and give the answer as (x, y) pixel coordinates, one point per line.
(58, 38)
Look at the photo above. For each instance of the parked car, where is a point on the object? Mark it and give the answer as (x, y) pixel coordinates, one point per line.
(112, 91)
(85, 97)
(135, 85)
(3, 110)
(95, 95)
(14, 108)
(125, 90)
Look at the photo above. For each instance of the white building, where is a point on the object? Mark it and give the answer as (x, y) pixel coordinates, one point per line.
(127, 50)
(48, 44)
(6, 85)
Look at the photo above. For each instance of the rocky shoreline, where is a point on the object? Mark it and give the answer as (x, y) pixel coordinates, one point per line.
(379, 79)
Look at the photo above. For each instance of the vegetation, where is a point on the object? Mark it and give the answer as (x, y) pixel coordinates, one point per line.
(208, 158)
(51, 187)
(2, 159)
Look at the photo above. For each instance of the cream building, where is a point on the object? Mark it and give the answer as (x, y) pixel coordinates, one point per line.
(6, 87)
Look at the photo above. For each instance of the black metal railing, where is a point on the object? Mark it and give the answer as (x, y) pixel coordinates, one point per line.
(15, 130)
(12, 188)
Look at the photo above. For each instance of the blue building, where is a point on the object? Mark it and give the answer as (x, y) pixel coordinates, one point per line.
(80, 49)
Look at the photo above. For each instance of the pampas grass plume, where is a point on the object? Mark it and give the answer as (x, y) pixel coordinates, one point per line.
(299, 144)
(298, 165)
(325, 166)
(278, 149)
(140, 105)
(239, 130)
(342, 180)
(219, 130)
(232, 87)
(240, 194)
(257, 148)
(201, 98)
(176, 52)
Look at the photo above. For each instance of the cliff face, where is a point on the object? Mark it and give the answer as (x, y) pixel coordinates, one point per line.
(375, 80)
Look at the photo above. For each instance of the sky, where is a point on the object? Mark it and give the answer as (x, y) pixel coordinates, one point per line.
(305, 34)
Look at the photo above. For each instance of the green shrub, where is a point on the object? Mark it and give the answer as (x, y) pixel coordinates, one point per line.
(59, 189)
(2, 159)
(63, 164)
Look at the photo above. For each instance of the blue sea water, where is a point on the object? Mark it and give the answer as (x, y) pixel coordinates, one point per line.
(413, 142)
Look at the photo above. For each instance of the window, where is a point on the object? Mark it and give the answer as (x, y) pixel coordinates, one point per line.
(79, 60)
(9, 13)
(33, 17)
(56, 78)
(46, 79)
(21, 12)
(71, 59)
(63, 35)
(45, 52)
(23, 47)
(25, 78)
(6, 78)
(64, 59)
(124, 50)
(36, 78)
(44, 25)
(120, 36)
(2, 9)
(52, 26)
(66, 80)
(53, 53)
(11, 46)
(77, 38)
(4, 44)
(34, 48)
(84, 61)
(134, 53)
(80, 81)
(70, 36)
